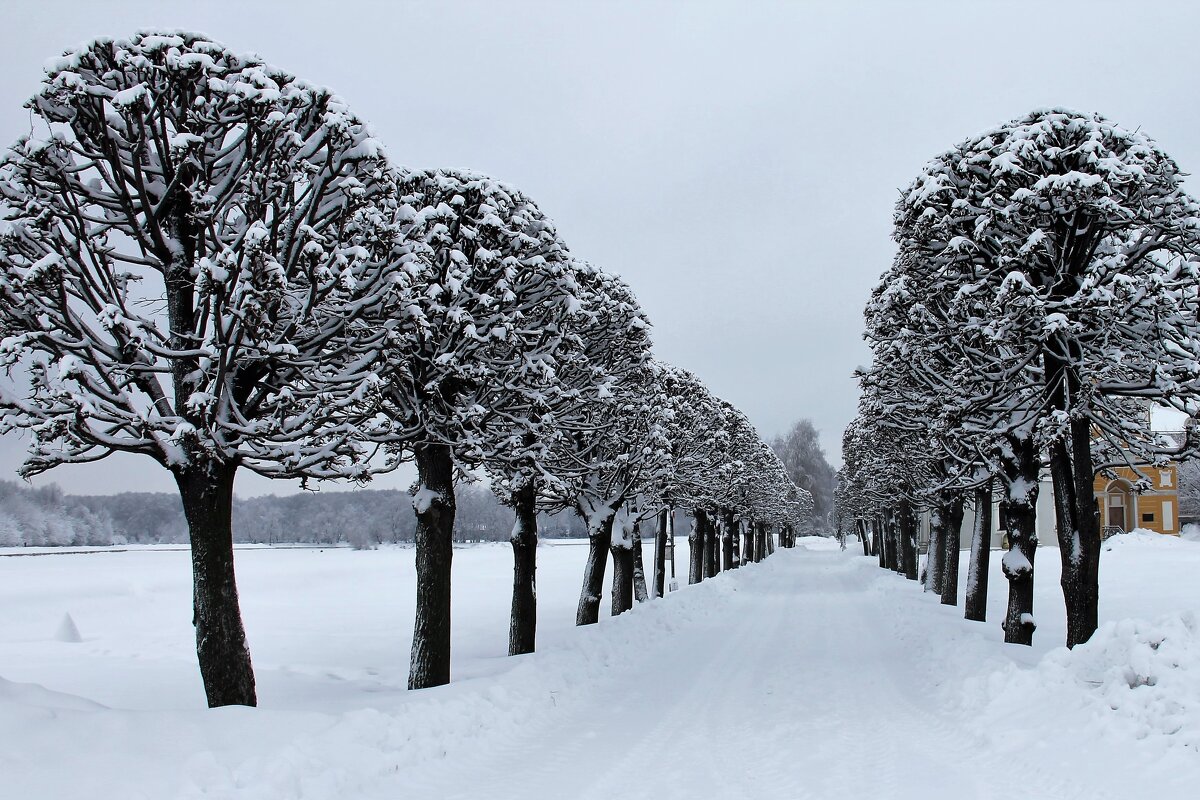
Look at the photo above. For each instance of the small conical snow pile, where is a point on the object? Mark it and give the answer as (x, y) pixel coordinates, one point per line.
(67, 632)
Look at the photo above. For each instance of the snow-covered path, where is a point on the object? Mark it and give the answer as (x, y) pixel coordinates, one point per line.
(814, 674)
(792, 687)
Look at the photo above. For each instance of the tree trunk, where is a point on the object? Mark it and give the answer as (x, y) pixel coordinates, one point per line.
(747, 542)
(660, 554)
(981, 553)
(622, 580)
(908, 538)
(728, 535)
(861, 525)
(769, 540)
(1022, 471)
(522, 627)
(639, 571)
(889, 539)
(696, 539)
(933, 559)
(207, 495)
(599, 541)
(952, 544)
(671, 541)
(1083, 617)
(1078, 531)
(879, 542)
(710, 547)
(434, 504)
(1072, 472)
(735, 536)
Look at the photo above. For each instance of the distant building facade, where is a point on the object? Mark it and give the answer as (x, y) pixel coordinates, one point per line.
(1122, 508)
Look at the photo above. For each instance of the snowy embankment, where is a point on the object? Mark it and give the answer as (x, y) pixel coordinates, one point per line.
(817, 673)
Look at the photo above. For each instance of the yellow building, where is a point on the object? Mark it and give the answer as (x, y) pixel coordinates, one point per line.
(1155, 509)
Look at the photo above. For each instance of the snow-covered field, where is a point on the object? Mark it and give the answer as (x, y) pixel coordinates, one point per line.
(814, 674)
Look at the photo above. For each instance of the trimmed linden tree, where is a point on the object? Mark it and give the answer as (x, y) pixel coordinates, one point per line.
(191, 259)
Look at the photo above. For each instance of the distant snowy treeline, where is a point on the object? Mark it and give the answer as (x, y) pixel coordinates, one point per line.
(46, 517)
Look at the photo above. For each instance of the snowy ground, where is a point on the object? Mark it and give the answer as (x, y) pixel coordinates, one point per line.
(812, 675)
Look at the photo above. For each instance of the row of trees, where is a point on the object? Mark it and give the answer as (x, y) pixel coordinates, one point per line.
(1043, 295)
(213, 264)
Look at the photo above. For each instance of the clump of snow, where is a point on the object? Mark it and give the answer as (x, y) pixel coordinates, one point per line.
(1190, 532)
(424, 499)
(1015, 563)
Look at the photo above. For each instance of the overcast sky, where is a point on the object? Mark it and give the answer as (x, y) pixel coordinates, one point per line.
(735, 162)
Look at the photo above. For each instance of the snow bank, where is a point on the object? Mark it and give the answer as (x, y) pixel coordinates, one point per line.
(1133, 679)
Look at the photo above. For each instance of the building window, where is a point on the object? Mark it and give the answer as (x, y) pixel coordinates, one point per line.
(1164, 477)
(1149, 517)
(1168, 509)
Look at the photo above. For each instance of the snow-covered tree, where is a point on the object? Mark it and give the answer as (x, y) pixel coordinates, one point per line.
(800, 451)
(1071, 241)
(474, 357)
(538, 458)
(191, 265)
(624, 459)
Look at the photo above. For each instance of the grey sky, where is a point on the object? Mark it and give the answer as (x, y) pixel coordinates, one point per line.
(735, 162)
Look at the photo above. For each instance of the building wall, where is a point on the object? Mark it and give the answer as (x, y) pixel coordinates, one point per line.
(1156, 509)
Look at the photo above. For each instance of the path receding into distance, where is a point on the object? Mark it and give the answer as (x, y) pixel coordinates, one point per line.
(793, 684)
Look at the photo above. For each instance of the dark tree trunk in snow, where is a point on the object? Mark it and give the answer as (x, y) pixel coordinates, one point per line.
(933, 560)
(660, 553)
(622, 580)
(862, 536)
(710, 546)
(735, 535)
(1078, 533)
(747, 542)
(696, 537)
(1022, 543)
(878, 542)
(728, 538)
(639, 571)
(1076, 515)
(890, 542)
(599, 542)
(769, 539)
(434, 504)
(207, 495)
(981, 553)
(908, 538)
(951, 543)
(522, 628)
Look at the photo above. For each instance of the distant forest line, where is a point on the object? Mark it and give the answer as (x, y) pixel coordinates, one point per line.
(47, 517)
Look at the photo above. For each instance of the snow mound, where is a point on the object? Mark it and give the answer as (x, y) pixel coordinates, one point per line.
(1147, 672)
(37, 696)
(1144, 538)
(1145, 675)
(68, 631)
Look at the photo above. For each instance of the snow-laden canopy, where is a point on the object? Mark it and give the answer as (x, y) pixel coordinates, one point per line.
(192, 250)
